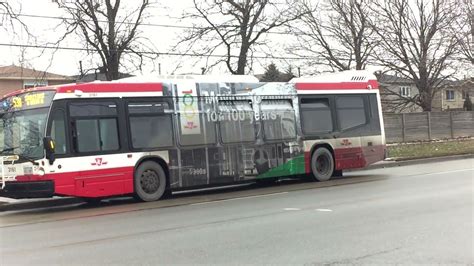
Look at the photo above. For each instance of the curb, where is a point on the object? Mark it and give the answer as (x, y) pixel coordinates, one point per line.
(40, 203)
(404, 162)
(57, 202)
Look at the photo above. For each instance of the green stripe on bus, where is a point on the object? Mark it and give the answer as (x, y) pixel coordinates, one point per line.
(292, 167)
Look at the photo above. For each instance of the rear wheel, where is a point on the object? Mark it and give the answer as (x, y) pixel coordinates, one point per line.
(337, 173)
(149, 181)
(322, 164)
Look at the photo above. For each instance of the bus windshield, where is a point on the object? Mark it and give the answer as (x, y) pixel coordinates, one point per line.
(22, 124)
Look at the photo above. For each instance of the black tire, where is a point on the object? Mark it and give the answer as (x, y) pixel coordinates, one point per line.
(149, 181)
(337, 173)
(167, 194)
(322, 164)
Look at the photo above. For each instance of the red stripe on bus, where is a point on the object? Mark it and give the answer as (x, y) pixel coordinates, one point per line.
(349, 158)
(371, 84)
(90, 183)
(307, 162)
(13, 93)
(112, 87)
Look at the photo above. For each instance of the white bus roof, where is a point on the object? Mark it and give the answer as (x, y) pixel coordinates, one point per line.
(196, 78)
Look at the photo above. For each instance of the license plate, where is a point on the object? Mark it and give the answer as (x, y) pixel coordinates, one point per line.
(10, 170)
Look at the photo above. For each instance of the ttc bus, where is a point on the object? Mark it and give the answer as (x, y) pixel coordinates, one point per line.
(146, 139)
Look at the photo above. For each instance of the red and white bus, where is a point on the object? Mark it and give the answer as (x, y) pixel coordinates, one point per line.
(147, 139)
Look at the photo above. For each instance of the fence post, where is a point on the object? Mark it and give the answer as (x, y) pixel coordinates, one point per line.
(429, 125)
(403, 127)
(451, 123)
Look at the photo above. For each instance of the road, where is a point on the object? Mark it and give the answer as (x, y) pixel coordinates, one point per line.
(419, 214)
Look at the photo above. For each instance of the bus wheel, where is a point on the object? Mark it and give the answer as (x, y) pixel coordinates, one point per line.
(337, 173)
(322, 164)
(149, 181)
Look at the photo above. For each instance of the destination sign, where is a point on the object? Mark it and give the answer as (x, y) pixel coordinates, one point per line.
(29, 100)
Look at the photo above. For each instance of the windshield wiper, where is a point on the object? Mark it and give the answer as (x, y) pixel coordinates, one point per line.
(8, 149)
(27, 158)
(20, 156)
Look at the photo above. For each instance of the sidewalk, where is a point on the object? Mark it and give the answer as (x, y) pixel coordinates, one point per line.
(7, 204)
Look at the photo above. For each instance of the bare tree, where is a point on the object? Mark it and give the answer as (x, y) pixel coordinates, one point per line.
(338, 32)
(10, 18)
(464, 30)
(416, 42)
(110, 34)
(235, 28)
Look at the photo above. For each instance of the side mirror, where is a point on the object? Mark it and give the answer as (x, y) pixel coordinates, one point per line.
(49, 146)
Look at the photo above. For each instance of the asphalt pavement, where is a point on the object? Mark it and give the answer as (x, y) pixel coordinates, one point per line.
(415, 214)
(8, 204)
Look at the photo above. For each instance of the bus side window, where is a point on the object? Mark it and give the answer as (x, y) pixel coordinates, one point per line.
(58, 131)
(194, 125)
(350, 111)
(99, 134)
(278, 118)
(150, 125)
(316, 116)
(236, 122)
(95, 125)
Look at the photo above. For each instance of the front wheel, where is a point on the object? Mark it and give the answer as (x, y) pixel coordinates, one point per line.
(149, 181)
(322, 164)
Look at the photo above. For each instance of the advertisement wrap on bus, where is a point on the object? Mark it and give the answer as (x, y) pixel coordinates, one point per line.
(147, 139)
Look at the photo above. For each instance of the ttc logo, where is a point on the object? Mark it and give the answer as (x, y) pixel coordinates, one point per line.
(98, 162)
(346, 142)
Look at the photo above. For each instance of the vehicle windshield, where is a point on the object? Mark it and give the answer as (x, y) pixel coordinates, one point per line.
(22, 132)
(22, 124)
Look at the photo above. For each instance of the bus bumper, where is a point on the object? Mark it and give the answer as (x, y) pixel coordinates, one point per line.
(30, 189)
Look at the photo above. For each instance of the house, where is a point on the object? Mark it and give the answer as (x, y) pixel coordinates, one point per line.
(453, 95)
(14, 78)
(398, 94)
(97, 75)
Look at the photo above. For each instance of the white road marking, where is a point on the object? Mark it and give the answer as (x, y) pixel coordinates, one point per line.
(447, 172)
(292, 209)
(324, 210)
(239, 198)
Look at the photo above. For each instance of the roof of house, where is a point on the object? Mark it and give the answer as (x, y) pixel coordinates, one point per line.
(22, 73)
(392, 79)
(97, 76)
(385, 79)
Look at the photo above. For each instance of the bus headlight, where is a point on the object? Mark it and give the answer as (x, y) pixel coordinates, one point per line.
(41, 171)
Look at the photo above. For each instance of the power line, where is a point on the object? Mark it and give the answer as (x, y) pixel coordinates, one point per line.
(184, 54)
(131, 23)
(148, 52)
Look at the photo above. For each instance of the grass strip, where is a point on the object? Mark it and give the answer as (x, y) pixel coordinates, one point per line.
(430, 149)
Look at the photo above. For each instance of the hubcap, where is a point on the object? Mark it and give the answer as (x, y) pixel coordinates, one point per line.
(149, 181)
(322, 165)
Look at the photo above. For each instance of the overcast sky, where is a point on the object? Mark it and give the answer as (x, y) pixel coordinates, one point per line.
(67, 62)
(163, 13)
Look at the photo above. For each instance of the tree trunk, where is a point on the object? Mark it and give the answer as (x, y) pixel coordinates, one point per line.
(242, 62)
